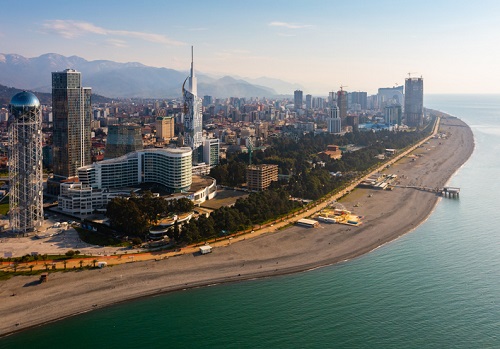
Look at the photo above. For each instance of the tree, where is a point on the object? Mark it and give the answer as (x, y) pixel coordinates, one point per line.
(65, 262)
(94, 263)
(70, 253)
(31, 266)
(81, 264)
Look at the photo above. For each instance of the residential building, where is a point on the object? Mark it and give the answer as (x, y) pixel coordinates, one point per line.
(123, 139)
(259, 177)
(342, 104)
(72, 114)
(170, 167)
(414, 102)
(309, 102)
(211, 148)
(165, 128)
(333, 121)
(298, 99)
(392, 114)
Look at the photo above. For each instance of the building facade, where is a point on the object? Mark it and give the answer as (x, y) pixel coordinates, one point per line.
(72, 114)
(25, 163)
(193, 132)
(165, 128)
(393, 114)
(259, 177)
(122, 139)
(342, 104)
(298, 99)
(309, 104)
(211, 149)
(414, 102)
(333, 121)
(170, 167)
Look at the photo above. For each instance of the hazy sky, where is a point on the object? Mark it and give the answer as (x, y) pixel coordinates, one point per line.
(454, 45)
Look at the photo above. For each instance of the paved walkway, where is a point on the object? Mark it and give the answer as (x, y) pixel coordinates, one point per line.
(119, 256)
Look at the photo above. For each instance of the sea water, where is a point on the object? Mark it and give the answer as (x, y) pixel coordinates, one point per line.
(437, 287)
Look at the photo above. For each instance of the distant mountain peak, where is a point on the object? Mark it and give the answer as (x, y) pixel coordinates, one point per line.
(114, 79)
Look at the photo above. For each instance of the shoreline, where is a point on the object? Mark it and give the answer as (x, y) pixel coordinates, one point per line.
(388, 216)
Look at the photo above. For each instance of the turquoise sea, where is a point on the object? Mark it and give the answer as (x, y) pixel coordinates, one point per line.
(437, 287)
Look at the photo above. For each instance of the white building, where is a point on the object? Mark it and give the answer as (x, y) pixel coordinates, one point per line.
(334, 123)
(192, 115)
(170, 167)
(211, 148)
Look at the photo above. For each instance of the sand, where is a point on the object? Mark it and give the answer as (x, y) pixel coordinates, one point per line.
(387, 215)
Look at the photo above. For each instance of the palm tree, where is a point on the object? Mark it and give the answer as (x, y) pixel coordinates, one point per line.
(46, 265)
(65, 262)
(94, 262)
(16, 264)
(81, 264)
(31, 268)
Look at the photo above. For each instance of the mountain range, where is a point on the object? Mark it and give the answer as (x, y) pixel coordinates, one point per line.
(129, 80)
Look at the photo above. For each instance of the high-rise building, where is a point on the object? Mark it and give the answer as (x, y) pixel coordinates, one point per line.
(170, 167)
(207, 100)
(333, 121)
(193, 118)
(211, 151)
(392, 114)
(342, 104)
(359, 98)
(414, 102)
(25, 163)
(72, 113)
(297, 99)
(122, 139)
(332, 99)
(165, 128)
(309, 101)
(389, 96)
(353, 121)
(259, 177)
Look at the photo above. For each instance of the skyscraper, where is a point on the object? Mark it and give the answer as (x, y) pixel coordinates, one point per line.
(342, 104)
(414, 102)
(297, 99)
(72, 114)
(123, 139)
(333, 121)
(165, 128)
(308, 102)
(193, 133)
(25, 163)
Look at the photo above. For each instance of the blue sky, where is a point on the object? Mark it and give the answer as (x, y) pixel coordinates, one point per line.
(454, 45)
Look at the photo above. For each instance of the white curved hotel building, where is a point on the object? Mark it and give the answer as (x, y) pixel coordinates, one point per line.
(170, 167)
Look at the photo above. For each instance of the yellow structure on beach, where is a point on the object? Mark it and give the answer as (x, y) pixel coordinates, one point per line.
(335, 215)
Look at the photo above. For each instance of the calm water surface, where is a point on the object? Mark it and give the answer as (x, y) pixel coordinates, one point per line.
(438, 287)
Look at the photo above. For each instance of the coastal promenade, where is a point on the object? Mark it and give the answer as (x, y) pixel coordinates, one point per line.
(311, 209)
(387, 215)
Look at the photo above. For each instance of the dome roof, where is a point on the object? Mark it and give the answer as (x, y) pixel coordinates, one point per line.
(24, 99)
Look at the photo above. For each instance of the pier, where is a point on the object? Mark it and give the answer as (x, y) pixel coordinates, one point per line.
(447, 192)
(450, 192)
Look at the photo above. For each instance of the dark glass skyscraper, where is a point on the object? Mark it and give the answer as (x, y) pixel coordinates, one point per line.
(298, 99)
(414, 102)
(71, 110)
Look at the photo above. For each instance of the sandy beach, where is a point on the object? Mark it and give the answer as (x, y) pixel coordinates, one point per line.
(387, 215)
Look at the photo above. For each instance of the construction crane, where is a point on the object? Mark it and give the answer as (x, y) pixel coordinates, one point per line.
(342, 86)
(409, 74)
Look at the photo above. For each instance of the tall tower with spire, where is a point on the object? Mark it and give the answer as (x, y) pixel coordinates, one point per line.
(193, 133)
